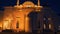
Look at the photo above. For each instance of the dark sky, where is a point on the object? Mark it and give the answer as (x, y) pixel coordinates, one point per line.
(54, 4)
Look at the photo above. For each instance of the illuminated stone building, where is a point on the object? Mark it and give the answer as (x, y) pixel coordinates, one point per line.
(17, 19)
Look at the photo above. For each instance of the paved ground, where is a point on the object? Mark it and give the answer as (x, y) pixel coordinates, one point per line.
(27, 33)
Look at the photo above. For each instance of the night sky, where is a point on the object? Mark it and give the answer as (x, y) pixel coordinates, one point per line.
(53, 4)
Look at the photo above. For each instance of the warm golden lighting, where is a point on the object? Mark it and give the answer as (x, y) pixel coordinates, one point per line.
(5, 24)
(28, 4)
(18, 14)
(0, 24)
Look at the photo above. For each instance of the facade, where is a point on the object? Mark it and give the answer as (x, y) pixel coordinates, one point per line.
(19, 18)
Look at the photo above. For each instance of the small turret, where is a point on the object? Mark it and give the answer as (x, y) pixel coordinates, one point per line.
(38, 2)
(17, 3)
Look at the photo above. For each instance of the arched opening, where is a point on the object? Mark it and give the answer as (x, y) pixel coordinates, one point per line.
(44, 26)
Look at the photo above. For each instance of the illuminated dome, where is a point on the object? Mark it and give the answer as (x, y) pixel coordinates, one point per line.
(28, 4)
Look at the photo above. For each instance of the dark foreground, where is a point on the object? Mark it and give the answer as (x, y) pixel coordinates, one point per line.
(28, 33)
(33, 32)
